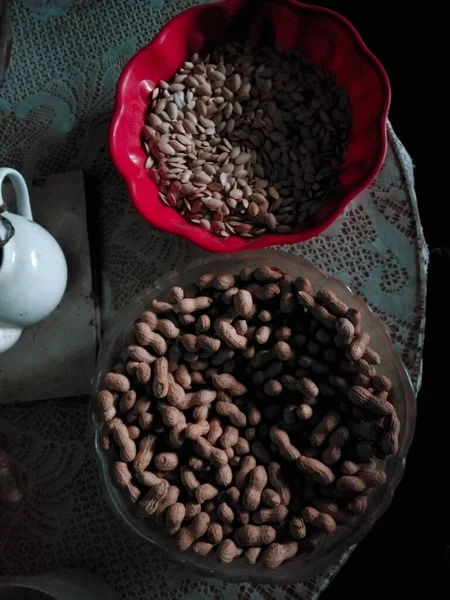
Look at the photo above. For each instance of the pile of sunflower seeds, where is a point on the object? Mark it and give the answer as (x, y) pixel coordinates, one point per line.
(247, 140)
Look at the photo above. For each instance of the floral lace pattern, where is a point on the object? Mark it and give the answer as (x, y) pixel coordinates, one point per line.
(54, 114)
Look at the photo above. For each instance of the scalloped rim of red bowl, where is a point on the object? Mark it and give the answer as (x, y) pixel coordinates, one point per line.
(194, 233)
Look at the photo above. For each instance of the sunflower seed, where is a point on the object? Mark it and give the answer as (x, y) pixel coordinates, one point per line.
(166, 148)
(212, 202)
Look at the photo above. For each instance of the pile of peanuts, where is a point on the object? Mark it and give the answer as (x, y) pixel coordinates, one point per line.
(247, 418)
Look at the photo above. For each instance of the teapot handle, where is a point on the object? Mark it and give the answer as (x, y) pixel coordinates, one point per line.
(20, 189)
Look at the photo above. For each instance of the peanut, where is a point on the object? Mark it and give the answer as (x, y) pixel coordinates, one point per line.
(297, 528)
(332, 302)
(390, 439)
(147, 478)
(215, 431)
(127, 400)
(166, 461)
(195, 430)
(248, 463)
(161, 378)
(265, 316)
(143, 373)
(270, 498)
(257, 481)
(140, 355)
(243, 303)
(197, 464)
(359, 367)
(277, 481)
(126, 445)
(354, 316)
(150, 318)
(123, 478)
(203, 324)
(190, 305)
(192, 510)
(149, 503)
(282, 441)
(133, 431)
(140, 407)
(205, 492)
(227, 551)
(225, 513)
(229, 437)
(306, 300)
(357, 347)
(381, 383)
(116, 382)
(276, 554)
(171, 416)
(303, 284)
(167, 328)
(372, 477)
(318, 471)
(229, 383)
(236, 416)
(273, 387)
(304, 412)
(107, 402)
(176, 435)
(358, 505)
(269, 274)
(251, 555)
(362, 397)
(202, 548)
(222, 356)
(169, 500)
(144, 456)
(192, 532)
(264, 292)
(146, 337)
(215, 456)
(214, 533)
(262, 334)
(255, 535)
(224, 282)
(322, 521)
(241, 447)
(224, 475)
(328, 424)
(270, 515)
(188, 479)
(351, 483)
(229, 335)
(160, 306)
(336, 441)
(371, 356)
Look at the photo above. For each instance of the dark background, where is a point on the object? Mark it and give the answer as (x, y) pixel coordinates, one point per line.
(408, 551)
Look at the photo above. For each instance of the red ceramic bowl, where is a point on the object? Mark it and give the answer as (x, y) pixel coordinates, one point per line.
(323, 36)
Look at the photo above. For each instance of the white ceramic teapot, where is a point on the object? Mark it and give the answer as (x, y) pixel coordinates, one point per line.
(33, 270)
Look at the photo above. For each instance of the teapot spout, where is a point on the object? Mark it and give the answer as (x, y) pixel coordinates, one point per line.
(8, 336)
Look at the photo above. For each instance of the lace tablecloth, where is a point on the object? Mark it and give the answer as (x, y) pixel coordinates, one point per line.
(54, 114)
